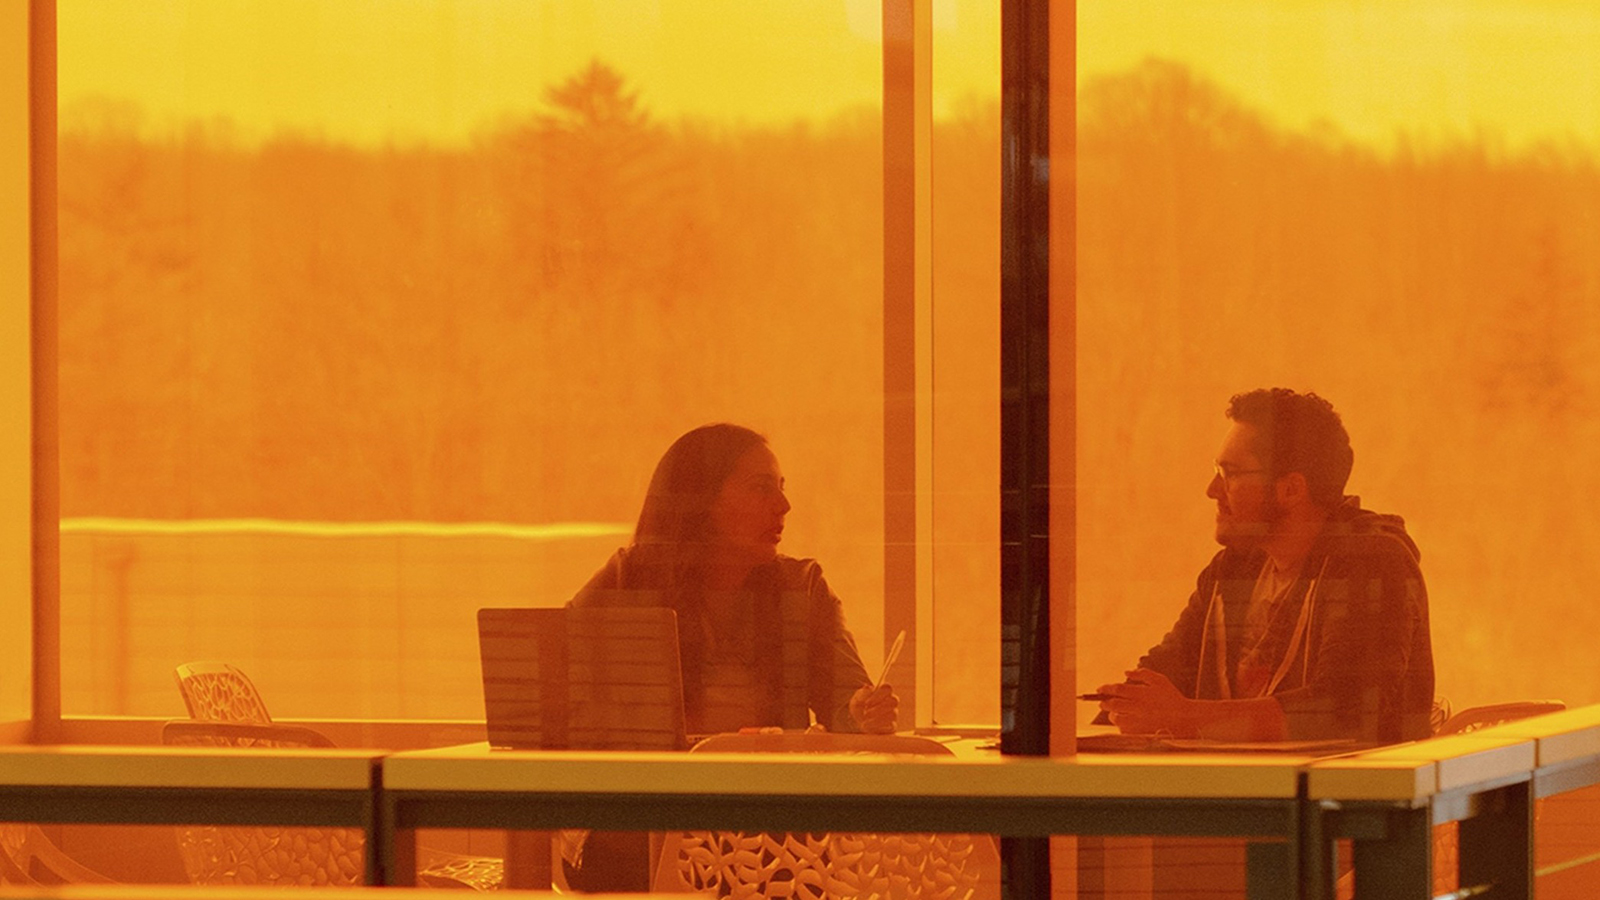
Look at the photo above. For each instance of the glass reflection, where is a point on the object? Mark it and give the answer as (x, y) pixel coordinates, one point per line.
(367, 342)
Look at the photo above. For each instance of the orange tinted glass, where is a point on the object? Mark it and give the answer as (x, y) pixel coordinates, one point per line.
(1394, 206)
(367, 323)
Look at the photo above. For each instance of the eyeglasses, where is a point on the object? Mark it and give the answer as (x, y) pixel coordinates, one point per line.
(1224, 475)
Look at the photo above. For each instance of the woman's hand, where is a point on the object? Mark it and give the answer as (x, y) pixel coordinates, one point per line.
(875, 709)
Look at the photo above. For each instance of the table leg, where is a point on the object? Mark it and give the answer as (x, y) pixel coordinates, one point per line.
(1398, 865)
(1269, 870)
(1497, 843)
(1319, 853)
(398, 859)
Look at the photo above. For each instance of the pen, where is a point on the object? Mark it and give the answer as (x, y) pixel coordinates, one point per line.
(888, 660)
(1096, 697)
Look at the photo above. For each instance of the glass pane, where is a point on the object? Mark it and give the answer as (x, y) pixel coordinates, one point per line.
(369, 322)
(966, 367)
(16, 402)
(1395, 206)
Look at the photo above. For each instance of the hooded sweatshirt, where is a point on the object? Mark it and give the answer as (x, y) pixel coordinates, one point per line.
(1346, 651)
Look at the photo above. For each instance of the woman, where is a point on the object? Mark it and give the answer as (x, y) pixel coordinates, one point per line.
(761, 636)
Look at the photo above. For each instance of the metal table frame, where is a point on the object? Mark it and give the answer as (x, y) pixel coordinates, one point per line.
(412, 804)
(1385, 801)
(166, 786)
(1487, 781)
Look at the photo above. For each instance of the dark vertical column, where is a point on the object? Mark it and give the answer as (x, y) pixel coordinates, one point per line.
(46, 505)
(1025, 378)
(1025, 516)
(899, 337)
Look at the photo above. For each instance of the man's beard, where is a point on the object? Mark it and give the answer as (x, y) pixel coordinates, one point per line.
(1251, 535)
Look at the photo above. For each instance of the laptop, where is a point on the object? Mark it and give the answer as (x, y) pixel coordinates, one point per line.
(595, 678)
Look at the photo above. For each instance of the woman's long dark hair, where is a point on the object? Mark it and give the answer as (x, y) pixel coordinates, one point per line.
(671, 544)
(677, 506)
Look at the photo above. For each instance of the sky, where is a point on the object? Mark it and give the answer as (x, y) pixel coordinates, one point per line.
(368, 70)
(371, 71)
(1525, 70)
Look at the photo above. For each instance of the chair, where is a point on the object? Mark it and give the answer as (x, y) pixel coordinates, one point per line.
(226, 710)
(217, 692)
(1477, 717)
(28, 857)
(828, 865)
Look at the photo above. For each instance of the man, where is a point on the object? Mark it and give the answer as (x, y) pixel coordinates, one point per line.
(1312, 621)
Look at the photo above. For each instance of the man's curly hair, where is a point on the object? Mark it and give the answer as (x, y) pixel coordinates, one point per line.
(1298, 433)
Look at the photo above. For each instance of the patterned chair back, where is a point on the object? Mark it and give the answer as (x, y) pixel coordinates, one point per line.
(217, 692)
(828, 866)
(1476, 717)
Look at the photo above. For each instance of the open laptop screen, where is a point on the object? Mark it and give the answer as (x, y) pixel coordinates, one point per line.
(582, 679)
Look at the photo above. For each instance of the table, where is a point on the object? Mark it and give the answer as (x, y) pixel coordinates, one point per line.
(1385, 800)
(1123, 794)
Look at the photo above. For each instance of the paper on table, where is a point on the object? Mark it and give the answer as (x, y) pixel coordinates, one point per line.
(1312, 747)
(894, 654)
(1112, 742)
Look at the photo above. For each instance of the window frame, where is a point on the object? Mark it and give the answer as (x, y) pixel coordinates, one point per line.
(907, 49)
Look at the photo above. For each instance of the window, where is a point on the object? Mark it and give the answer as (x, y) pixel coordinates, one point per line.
(355, 346)
(1393, 206)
